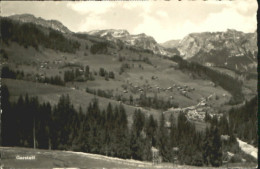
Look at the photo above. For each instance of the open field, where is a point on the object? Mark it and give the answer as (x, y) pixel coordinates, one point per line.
(52, 93)
(69, 159)
(50, 63)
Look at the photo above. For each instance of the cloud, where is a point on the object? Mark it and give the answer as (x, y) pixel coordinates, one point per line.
(110, 15)
(229, 18)
(153, 27)
(92, 22)
(92, 13)
(130, 5)
(162, 13)
(245, 7)
(91, 7)
(240, 15)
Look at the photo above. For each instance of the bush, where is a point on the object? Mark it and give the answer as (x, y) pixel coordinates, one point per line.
(111, 75)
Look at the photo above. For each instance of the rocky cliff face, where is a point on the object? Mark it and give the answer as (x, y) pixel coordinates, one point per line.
(232, 49)
(53, 24)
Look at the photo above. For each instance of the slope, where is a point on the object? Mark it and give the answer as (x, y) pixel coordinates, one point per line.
(68, 159)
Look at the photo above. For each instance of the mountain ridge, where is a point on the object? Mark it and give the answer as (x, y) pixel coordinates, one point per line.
(29, 18)
(139, 40)
(232, 49)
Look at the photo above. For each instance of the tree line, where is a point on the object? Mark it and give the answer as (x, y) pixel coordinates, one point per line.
(107, 74)
(79, 74)
(20, 75)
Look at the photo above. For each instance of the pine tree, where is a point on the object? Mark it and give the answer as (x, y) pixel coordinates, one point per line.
(137, 138)
(150, 129)
(212, 147)
(173, 132)
(216, 148)
(206, 148)
(162, 140)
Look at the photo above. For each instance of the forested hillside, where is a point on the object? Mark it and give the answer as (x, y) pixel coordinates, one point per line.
(218, 78)
(29, 34)
(243, 121)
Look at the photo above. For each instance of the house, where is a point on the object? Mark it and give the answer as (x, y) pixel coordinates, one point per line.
(209, 64)
(156, 157)
(224, 137)
(184, 93)
(167, 124)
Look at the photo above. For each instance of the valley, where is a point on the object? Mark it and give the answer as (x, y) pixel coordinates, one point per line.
(151, 92)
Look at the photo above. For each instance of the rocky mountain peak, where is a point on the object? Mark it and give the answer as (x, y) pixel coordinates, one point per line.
(139, 40)
(109, 32)
(232, 48)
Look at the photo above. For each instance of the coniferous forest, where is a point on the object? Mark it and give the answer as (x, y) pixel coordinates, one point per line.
(27, 122)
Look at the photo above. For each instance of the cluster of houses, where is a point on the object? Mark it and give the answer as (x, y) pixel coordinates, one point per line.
(183, 90)
(57, 61)
(136, 88)
(44, 65)
(197, 112)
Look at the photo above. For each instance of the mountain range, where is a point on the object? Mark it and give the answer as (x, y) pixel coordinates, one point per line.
(231, 49)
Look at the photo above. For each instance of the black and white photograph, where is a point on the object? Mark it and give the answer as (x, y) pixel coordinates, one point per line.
(129, 84)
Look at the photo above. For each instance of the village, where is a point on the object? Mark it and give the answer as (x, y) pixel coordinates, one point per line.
(197, 112)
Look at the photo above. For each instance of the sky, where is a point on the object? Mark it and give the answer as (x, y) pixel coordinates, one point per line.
(163, 20)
